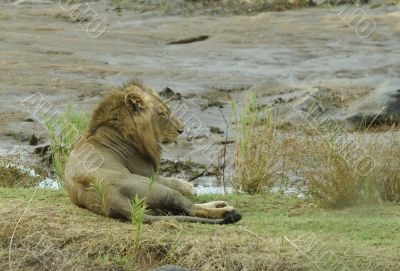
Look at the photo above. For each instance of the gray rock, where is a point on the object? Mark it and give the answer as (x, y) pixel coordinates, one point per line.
(382, 106)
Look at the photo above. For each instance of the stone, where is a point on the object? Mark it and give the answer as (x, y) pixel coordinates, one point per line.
(382, 106)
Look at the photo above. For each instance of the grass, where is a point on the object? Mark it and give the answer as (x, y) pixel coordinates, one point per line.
(12, 176)
(138, 207)
(349, 168)
(339, 168)
(63, 130)
(258, 152)
(15, 173)
(332, 179)
(365, 237)
(386, 174)
(97, 187)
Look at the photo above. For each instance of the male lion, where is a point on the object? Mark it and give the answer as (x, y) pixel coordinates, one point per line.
(121, 152)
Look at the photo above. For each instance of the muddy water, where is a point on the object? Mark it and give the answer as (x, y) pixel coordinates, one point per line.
(274, 54)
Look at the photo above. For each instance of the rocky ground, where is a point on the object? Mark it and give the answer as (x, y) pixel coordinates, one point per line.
(286, 58)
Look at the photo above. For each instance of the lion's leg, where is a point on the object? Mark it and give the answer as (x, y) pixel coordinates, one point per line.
(158, 197)
(214, 204)
(199, 211)
(184, 187)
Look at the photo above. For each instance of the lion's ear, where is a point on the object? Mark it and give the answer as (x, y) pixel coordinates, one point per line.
(135, 100)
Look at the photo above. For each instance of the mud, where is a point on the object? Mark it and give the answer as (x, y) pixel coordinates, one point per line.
(283, 57)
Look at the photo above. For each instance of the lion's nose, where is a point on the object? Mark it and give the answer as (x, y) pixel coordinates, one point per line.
(180, 131)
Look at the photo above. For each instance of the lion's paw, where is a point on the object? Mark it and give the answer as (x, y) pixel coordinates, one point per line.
(220, 204)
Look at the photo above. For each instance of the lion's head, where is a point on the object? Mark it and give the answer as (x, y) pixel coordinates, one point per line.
(141, 117)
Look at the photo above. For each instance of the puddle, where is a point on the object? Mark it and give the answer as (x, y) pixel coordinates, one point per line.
(205, 190)
(49, 184)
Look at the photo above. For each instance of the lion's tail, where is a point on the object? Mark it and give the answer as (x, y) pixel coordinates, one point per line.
(228, 219)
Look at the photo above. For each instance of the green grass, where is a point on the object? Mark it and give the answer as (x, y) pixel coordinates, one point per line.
(367, 236)
(97, 187)
(138, 207)
(63, 130)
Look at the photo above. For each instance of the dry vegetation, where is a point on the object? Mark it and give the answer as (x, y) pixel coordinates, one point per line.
(76, 239)
(340, 168)
(259, 152)
(13, 174)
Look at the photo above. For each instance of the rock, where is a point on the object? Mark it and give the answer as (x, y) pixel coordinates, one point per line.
(382, 106)
(170, 94)
(170, 268)
(42, 150)
(216, 130)
(33, 140)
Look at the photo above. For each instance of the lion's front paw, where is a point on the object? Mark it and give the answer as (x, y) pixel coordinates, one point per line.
(186, 188)
(191, 190)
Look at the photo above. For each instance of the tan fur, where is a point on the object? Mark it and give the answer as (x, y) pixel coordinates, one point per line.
(122, 152)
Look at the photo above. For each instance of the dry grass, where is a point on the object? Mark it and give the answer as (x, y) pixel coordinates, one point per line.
(76, 239)
(386, 174)
(340, 169)
(258, 161)
(332, 178)
(343, 169)
(14, 173)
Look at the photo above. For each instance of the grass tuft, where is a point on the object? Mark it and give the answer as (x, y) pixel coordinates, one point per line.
(257, 162)
(63, 130)
(138, 208)
(386, 173)
(332, 180)
(97, 187)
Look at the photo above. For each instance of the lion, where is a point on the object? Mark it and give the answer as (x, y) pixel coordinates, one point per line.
(121, 151)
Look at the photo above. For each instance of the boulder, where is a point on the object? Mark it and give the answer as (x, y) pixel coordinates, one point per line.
(382, 106)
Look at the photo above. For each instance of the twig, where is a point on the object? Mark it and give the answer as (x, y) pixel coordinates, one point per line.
(224, 142)
(198, 175)
(252, 233)
(16, 226)
(224, 152)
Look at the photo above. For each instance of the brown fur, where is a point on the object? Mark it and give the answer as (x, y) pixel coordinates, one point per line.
(122, 151)
(113, 112)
